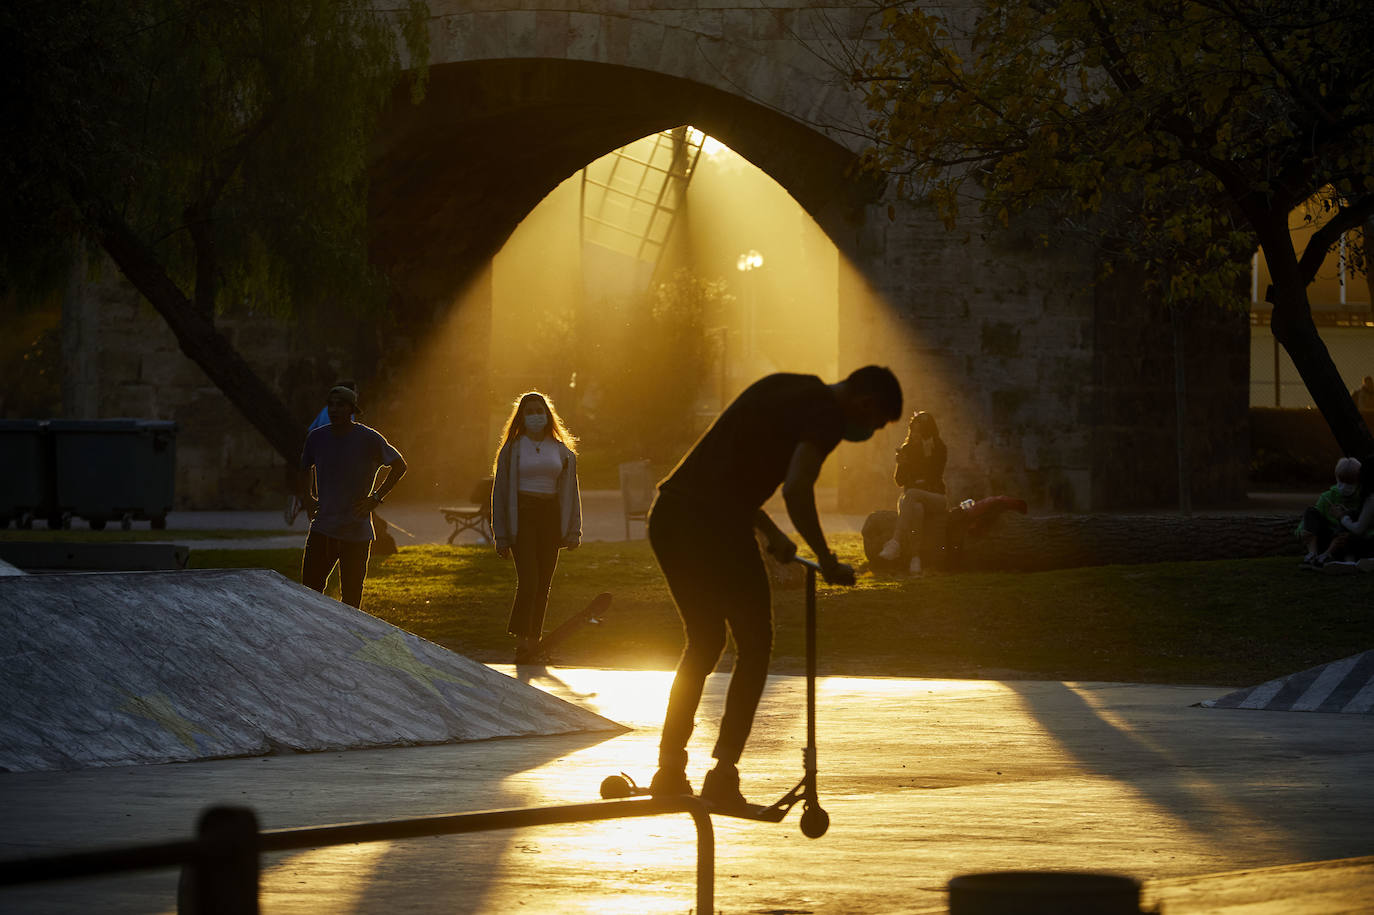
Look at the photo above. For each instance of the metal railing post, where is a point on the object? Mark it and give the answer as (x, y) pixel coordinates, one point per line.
(706, 861)
(223, 877)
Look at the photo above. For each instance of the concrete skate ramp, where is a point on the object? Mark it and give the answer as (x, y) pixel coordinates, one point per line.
(130, 668)
(1344, 686)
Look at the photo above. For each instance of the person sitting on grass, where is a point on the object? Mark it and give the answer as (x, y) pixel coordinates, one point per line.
(1320, 528)
(921, 475)
(1358, 522)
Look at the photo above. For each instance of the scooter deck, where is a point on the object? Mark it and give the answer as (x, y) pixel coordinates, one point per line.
(756, 812)
(769, 813)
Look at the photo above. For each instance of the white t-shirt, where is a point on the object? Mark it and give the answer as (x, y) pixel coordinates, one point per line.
(540, 465)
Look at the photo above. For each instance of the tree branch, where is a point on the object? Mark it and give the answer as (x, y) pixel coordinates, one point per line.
(1304, 98)
(1346, 218)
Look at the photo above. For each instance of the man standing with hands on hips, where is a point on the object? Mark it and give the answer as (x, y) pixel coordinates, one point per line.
(345, 456)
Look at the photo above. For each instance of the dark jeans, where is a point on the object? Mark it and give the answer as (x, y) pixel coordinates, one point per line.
(1316, 524)
(538, 536)
(323, 552)
(717, 579)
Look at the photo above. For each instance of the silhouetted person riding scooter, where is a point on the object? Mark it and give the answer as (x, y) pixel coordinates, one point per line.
(701, 527)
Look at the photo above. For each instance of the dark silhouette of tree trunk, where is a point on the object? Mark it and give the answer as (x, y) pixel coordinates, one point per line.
(1292, 325)
(194, 327)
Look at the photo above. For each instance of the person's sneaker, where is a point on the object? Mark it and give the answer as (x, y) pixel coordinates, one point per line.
(531, 655)
(890, 551)
(669, 781)
(1307, 563)
(720, 788)
(915, 567)
(1366, 564)
(1340, 568)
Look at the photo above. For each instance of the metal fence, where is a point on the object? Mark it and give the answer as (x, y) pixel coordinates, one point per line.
(1274, 381)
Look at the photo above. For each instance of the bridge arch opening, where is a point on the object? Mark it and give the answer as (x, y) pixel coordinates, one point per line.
(672, 273)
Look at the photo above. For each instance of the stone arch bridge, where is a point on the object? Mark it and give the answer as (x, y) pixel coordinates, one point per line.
(1048, 385)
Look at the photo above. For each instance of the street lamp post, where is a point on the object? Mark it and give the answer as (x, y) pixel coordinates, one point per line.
(747, 263)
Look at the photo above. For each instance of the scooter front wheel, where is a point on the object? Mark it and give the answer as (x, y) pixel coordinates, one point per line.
(814, 821)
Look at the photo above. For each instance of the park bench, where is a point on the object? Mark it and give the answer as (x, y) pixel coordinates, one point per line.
(636, 492)
(475, 517)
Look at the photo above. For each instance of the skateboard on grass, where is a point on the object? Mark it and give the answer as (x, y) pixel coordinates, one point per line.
(538, 654)
(814, 820)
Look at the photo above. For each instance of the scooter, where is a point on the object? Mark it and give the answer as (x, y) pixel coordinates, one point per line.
(814, 820)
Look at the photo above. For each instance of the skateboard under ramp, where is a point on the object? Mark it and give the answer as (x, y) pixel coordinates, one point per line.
(132, 668)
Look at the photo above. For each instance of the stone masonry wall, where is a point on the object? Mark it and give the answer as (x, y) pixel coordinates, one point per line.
(1047, 384)
(123, 361)
(994, 338)
(1134, 414)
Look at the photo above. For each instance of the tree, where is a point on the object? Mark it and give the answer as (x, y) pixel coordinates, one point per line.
(215, 150)
(647, 361)
(1177, 134)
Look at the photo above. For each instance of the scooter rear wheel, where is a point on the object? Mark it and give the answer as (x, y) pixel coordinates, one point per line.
(615, 786)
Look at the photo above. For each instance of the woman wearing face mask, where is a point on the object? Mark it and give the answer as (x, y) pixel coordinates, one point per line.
(536, 510)
(921, 475)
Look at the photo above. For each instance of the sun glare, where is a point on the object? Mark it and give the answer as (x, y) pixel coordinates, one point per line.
(649, 862)
(292, 883)
(710, 146)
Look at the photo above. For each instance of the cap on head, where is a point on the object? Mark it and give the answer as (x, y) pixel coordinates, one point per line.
(343, 393)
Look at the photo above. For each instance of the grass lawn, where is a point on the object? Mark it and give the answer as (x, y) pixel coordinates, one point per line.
(1230, 623)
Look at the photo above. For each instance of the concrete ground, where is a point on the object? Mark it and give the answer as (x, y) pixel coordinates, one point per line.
(1217, 811)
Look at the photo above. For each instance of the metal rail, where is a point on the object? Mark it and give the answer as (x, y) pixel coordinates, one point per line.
(220, 865)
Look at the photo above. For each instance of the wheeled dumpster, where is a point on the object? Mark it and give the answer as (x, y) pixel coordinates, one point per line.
(114, 469)
(26, 483)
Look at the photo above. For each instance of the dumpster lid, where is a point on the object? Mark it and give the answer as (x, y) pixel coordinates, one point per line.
(93, 425)
(21, 425)
(112, 425)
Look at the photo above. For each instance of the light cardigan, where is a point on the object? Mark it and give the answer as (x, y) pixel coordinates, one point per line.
(1360, 526)
(504, 495)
